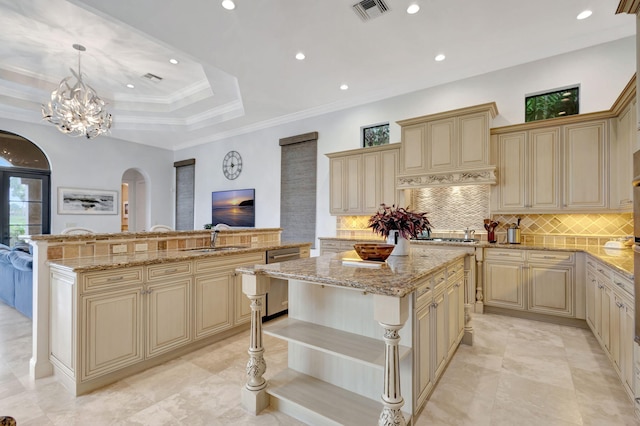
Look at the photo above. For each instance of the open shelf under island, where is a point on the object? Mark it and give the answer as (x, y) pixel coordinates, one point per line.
(365, 345)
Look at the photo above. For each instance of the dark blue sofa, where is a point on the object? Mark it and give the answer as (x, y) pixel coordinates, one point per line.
(16, 278)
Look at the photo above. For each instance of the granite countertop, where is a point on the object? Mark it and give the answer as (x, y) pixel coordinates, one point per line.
(398, 276)
(133, 235)
(98, 263)
(620, 260)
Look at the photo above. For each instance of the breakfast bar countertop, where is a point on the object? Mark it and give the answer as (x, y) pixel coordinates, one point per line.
(398, 276)
(99, 263)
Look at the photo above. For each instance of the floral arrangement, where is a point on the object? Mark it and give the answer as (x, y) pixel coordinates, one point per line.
(407, 223)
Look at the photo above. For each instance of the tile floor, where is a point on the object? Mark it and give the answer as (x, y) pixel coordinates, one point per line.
(518, 372)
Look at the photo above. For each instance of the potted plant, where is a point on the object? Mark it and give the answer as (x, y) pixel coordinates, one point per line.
(397, 225)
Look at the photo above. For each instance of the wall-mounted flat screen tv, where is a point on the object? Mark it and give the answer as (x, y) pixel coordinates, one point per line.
(233, 208)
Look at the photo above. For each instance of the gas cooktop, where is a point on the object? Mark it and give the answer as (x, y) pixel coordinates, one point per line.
(448, 240)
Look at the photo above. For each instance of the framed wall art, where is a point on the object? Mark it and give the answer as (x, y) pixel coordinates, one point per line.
(234, 208)
(87, 201)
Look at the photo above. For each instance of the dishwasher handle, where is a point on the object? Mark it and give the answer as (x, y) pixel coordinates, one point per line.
(282, 257)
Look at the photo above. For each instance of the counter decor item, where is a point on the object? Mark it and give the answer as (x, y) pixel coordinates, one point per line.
(397, 225)
(374, 252)
(490, 227)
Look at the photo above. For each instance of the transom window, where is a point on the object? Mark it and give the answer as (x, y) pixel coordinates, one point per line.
(24, 189)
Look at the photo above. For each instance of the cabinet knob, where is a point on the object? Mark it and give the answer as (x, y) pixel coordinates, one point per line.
(619, 305)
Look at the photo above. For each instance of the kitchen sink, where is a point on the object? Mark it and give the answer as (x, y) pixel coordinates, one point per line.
(449, 240)
(214, 249)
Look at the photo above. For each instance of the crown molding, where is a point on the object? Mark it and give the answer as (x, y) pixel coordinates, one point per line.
(629, 6)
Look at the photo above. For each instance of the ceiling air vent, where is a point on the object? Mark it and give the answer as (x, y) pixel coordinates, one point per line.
(152, 77)
(369, 9)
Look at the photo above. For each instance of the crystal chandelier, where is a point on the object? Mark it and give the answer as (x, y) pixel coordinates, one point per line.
(77, 110)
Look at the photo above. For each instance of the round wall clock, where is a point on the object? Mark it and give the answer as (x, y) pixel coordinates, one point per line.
(232, 165)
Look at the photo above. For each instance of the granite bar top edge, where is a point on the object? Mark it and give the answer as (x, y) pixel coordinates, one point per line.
(115, 261)
(399, 276)
(134, 235)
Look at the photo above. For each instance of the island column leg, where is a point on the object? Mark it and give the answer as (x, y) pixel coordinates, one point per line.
(254, 392)
(392, 313)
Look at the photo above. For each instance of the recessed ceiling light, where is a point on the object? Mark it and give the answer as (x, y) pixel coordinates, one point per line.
(130, 86)
(300, 56)
(440, 57)
(228, 4)
(174, 61)
(584, 14)
(343, 87)
(413, 8)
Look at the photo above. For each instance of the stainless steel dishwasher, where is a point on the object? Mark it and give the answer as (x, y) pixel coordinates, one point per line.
(277, 298)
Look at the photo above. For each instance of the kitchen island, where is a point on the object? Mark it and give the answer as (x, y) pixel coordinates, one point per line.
(110, 305)
(346, 322)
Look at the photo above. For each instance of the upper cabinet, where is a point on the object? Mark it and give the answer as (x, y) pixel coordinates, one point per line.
(529, 168)
(579, 163)
(623, 145)
(435, 147)
(362, 179)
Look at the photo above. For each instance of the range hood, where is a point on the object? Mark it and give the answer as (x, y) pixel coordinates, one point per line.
(478, 176)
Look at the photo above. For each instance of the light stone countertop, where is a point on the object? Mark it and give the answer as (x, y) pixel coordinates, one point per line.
(100, 263)
(398, 276)
(621, 260)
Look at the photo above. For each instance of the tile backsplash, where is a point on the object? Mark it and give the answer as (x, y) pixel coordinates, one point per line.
(451, 209)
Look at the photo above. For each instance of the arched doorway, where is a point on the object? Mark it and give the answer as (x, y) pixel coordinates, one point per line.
(134, 201)
(25, 189)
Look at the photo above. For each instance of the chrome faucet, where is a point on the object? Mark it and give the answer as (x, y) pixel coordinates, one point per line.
(214, 237)
(468, 233)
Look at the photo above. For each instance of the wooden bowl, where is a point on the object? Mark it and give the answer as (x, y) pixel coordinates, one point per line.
(372, 251)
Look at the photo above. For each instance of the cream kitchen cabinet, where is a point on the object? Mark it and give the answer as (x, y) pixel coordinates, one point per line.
(536, 281)
(346, 184)
(127, 324)
(552, 168)
(504, 278)
(362, 179)
(438, 326)
(623, 144)
(220, 303)
(586, 171)
(107, 324)
(529, 164)
(445, 142)
(111, 331)
(591, 172)
(610, 315)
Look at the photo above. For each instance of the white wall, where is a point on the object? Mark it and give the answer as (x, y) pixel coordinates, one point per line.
(99, 164)
(602, 72)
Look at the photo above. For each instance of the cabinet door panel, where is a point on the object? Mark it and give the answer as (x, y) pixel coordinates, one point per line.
(111, 332)
(413, 155)
(551, 289)
(512, 153)
(544, 146)
(423, 355)
(168, 316)
(585, 159)
(592, 288)
(441, 145)
(353, 184)
(336, 184)
(439, 323)
(371, 181)
(472, 132)
(504, 285)
(388, 170)
(212, 303)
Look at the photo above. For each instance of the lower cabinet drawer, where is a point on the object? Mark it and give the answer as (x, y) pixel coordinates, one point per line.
(110, 279)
